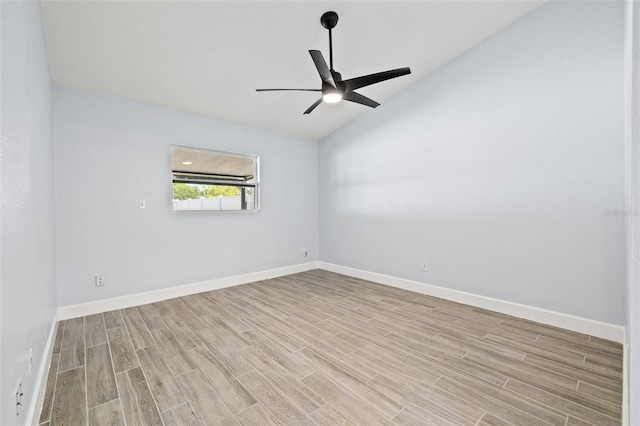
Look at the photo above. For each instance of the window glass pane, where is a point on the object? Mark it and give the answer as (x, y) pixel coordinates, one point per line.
(213, 180)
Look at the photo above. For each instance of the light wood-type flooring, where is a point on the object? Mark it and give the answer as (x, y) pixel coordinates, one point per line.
(322, 348)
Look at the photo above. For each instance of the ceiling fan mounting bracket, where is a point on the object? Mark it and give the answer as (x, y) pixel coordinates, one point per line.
(329, 20)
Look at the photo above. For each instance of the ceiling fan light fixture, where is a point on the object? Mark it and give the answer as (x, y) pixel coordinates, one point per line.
(332, 97)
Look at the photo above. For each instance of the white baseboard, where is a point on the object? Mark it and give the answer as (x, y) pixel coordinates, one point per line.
(603, 330)
(90, 308)
(41, 378)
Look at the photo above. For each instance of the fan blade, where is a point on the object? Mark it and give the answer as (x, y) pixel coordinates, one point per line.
(297, 90)
(359, 99)
(323, 69)
(312, 107)
(367, 80)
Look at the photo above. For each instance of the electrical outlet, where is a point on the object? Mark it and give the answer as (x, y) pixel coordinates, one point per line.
(30, 355)
(142, 204)
(99, 281)
(19, 395)
(305, 253)
(423, 265)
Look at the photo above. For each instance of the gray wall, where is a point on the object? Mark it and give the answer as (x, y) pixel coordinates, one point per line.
(27, 247)
(498, 169)
(110, 153)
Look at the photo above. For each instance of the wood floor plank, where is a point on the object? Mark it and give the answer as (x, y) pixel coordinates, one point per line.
(123, 355)
(490, 420)
(95, 331)
(273, 400)
(174, 354)
(601, 393)
(457, 404)
(256, 415)
(186, 314)
(410, 417)
(523, 371)
(69, 405)
(578, 372)
(132, 310)
(226, 385)
(572, 421)
(107, 414)
(346, 403)
(231, 357)
(269, 322)
(279, 338)
(164, 387)
(412, 330)
(271, 313)
(382, 402)
(387, 361)
(280, 355)
(199, 305)
(205, 400)
(73, 323)
(58, 340)
(72, 349)
(584, 348)
(544, 330)
(47, 403)
(445, 365)
(477, 345)
(566, 358)
(597, 342)
(376, 345)
(425, 346)
(113, 319)
(216, 331)
(427, 409)
(361, 369)
(508, 406)
(604, 362)
(363, 328)
(180, 329)
(312, 329)
(137, 401)
(182, 415)
(310, 315)
(151, 316)
(558, 385)
(299, 394)
(140, 336)
(101, 382)
(329, 416)
(327, 345)
(233, 321)
(600, 414)
(226, 306)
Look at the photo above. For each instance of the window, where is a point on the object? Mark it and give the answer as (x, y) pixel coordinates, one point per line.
(213, 180)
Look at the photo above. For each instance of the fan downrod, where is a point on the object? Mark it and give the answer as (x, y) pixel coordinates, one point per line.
(329, 20)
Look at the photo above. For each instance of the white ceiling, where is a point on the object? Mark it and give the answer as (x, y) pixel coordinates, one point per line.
(208, 57)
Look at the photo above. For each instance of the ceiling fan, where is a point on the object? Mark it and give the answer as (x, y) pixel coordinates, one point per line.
(334, 88)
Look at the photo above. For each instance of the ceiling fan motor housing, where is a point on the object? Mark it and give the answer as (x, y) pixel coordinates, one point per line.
(329, 20)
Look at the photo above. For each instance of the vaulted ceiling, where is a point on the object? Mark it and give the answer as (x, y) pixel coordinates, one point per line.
(208, 57)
